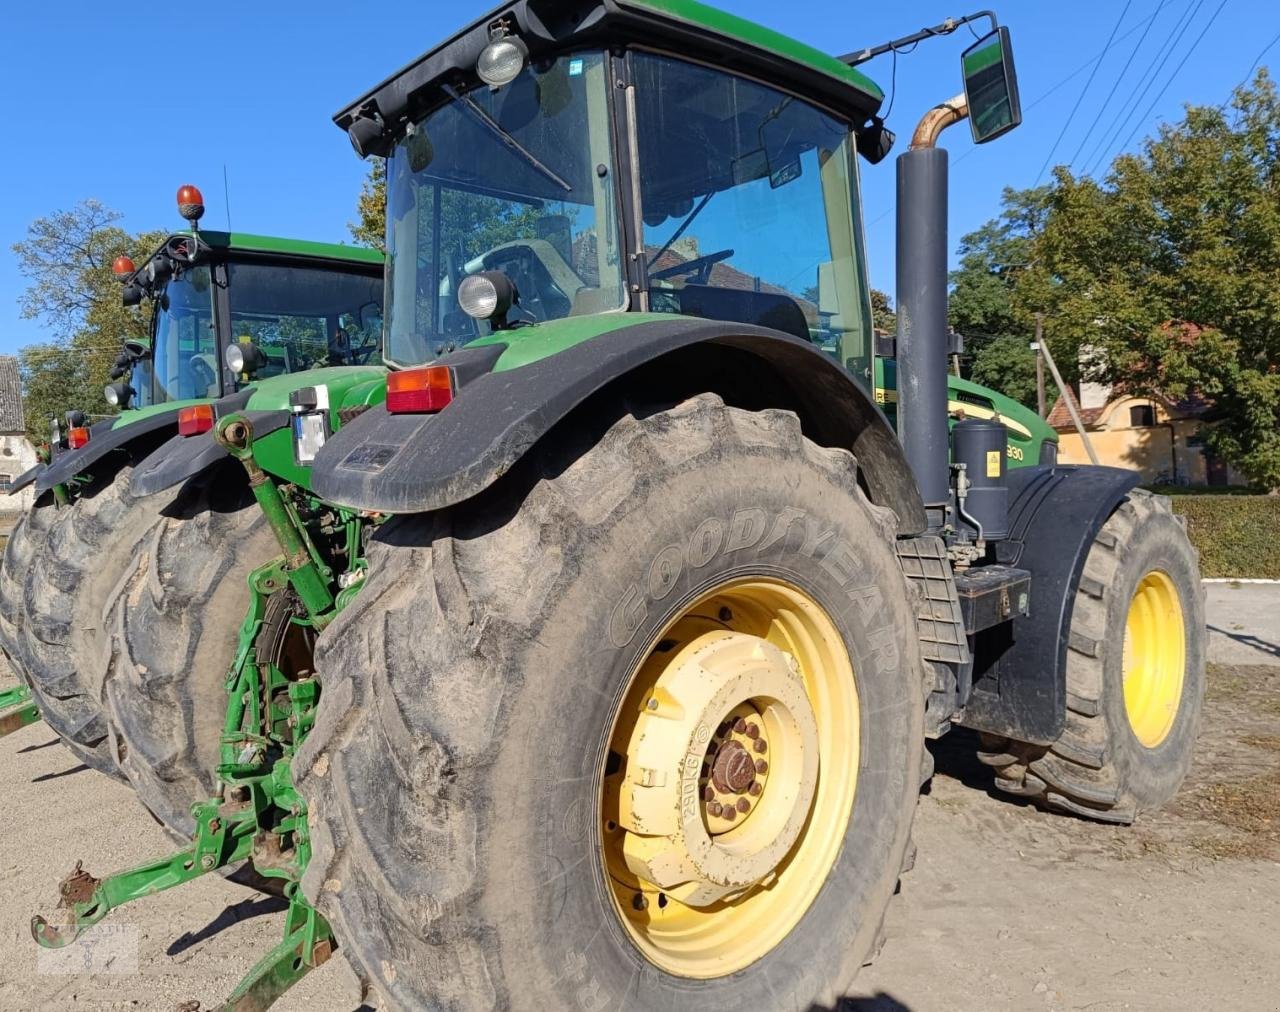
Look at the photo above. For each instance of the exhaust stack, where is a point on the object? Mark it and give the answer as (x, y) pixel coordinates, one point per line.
(922, 307)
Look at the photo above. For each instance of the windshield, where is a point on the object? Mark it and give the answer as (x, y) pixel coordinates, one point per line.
(184, 360)
(751, 211)
(519, 180)
(305, 317)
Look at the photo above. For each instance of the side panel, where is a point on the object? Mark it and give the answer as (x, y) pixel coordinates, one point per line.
(416, 463)
(1020, 667)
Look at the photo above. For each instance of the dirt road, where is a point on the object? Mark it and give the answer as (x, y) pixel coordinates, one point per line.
(1007, 908)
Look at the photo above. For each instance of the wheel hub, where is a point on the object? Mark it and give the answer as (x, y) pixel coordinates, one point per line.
(722, 767)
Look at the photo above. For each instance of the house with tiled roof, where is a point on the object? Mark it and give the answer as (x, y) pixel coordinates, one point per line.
(16, 452)
(1164, 439)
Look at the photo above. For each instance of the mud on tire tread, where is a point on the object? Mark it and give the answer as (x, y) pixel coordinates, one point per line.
(176, 623)
(1097, 769)
(452, 601)
(68, 585)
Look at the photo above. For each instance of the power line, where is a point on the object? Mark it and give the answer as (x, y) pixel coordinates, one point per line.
(1043, 96)
(1123, 70)
(1177, 70)
(1080, 98)
(1248, 74)
(1153, 71)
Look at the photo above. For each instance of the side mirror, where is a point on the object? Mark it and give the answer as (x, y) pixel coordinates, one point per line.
(991, 87)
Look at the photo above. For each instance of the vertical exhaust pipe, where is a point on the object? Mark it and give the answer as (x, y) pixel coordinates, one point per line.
(922, 307)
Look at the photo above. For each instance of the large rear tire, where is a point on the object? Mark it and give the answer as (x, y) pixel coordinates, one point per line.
(1135, 675)
(70, 581)
(513, 714)
(176, 623)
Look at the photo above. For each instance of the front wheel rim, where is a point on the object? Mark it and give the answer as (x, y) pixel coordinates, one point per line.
(1155, 658)
(730, 777)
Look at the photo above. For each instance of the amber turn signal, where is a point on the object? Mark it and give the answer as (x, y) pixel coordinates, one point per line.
(196, 419)
(420, 391)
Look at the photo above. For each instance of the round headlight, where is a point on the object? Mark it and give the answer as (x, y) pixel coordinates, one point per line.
(487, 296)
(111, 394)
(502, 61)
(234, 357)
(478, 296)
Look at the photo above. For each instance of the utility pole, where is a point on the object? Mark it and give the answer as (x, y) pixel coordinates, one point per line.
(1040, 366)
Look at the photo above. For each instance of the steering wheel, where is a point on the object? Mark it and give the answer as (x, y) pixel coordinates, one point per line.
(701, 266)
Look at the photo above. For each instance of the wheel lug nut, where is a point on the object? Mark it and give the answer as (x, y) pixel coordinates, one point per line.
(714, 809)
(751, 731)
(762, 767)
(759, 745)
(744, 806)
(729, 814)
(755, 790)
(740, 726)
(708, 793)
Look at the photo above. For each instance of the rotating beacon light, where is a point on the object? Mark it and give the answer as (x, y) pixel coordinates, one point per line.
(190, 204)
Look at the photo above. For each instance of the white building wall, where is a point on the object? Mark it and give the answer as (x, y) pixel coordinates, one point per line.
(16, 456)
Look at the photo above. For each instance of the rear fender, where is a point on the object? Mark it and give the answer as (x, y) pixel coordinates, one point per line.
(417, 463)
(138, 438)
(1020, 667)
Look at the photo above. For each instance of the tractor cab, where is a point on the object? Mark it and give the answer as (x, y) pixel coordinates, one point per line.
(540, 192)
(226, 309)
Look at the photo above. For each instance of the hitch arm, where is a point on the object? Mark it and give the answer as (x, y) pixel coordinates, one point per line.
(16, 709)
(220, 840)
(307, 943)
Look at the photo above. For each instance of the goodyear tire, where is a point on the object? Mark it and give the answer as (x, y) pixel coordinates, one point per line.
(1135, 675)
(508, 672)
(176, 623)
(69, 581)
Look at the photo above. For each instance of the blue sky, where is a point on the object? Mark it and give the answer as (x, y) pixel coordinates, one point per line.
(123, 104)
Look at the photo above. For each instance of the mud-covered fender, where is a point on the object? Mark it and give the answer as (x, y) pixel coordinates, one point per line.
(112, 435)
(183, 457)
(26, 478)
(1055, 514)
(416, 463)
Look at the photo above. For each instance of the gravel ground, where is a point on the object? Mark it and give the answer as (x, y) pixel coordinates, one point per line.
(1007, 908)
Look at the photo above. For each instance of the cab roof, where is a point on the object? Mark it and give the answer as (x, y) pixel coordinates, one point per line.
(548, 27)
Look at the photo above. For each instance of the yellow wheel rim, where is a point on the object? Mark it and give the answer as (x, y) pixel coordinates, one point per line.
(730, 778)
(1155, 655)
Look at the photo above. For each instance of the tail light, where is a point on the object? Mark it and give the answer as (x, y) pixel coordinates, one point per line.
(420, 391)
(77, 437)
(194, 420)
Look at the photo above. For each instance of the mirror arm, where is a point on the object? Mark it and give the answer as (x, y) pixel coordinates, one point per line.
(946, 28)
(944, 114)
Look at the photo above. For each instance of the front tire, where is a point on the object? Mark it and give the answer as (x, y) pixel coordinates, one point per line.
(464, 775)
(1135, 675)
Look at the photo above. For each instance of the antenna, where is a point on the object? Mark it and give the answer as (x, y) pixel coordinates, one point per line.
(226, 195)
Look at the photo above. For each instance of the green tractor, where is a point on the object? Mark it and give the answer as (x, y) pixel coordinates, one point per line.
(227, 311)
(594, 657)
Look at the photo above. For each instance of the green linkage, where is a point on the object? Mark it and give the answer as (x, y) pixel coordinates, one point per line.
(258, 814)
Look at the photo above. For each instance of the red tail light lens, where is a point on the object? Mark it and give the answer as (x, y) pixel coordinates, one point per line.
(420, 391)
(77, 437)
(122, 266)
(196, 419)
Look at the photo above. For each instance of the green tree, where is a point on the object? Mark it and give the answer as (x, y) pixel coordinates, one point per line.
(66, 258)
(1167, 272)
(1007, 364)
(370, 226)
(982, 303)
(882, 315)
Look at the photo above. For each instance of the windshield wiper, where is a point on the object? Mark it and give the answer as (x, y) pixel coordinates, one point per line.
(675, 238)
(493, 126)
